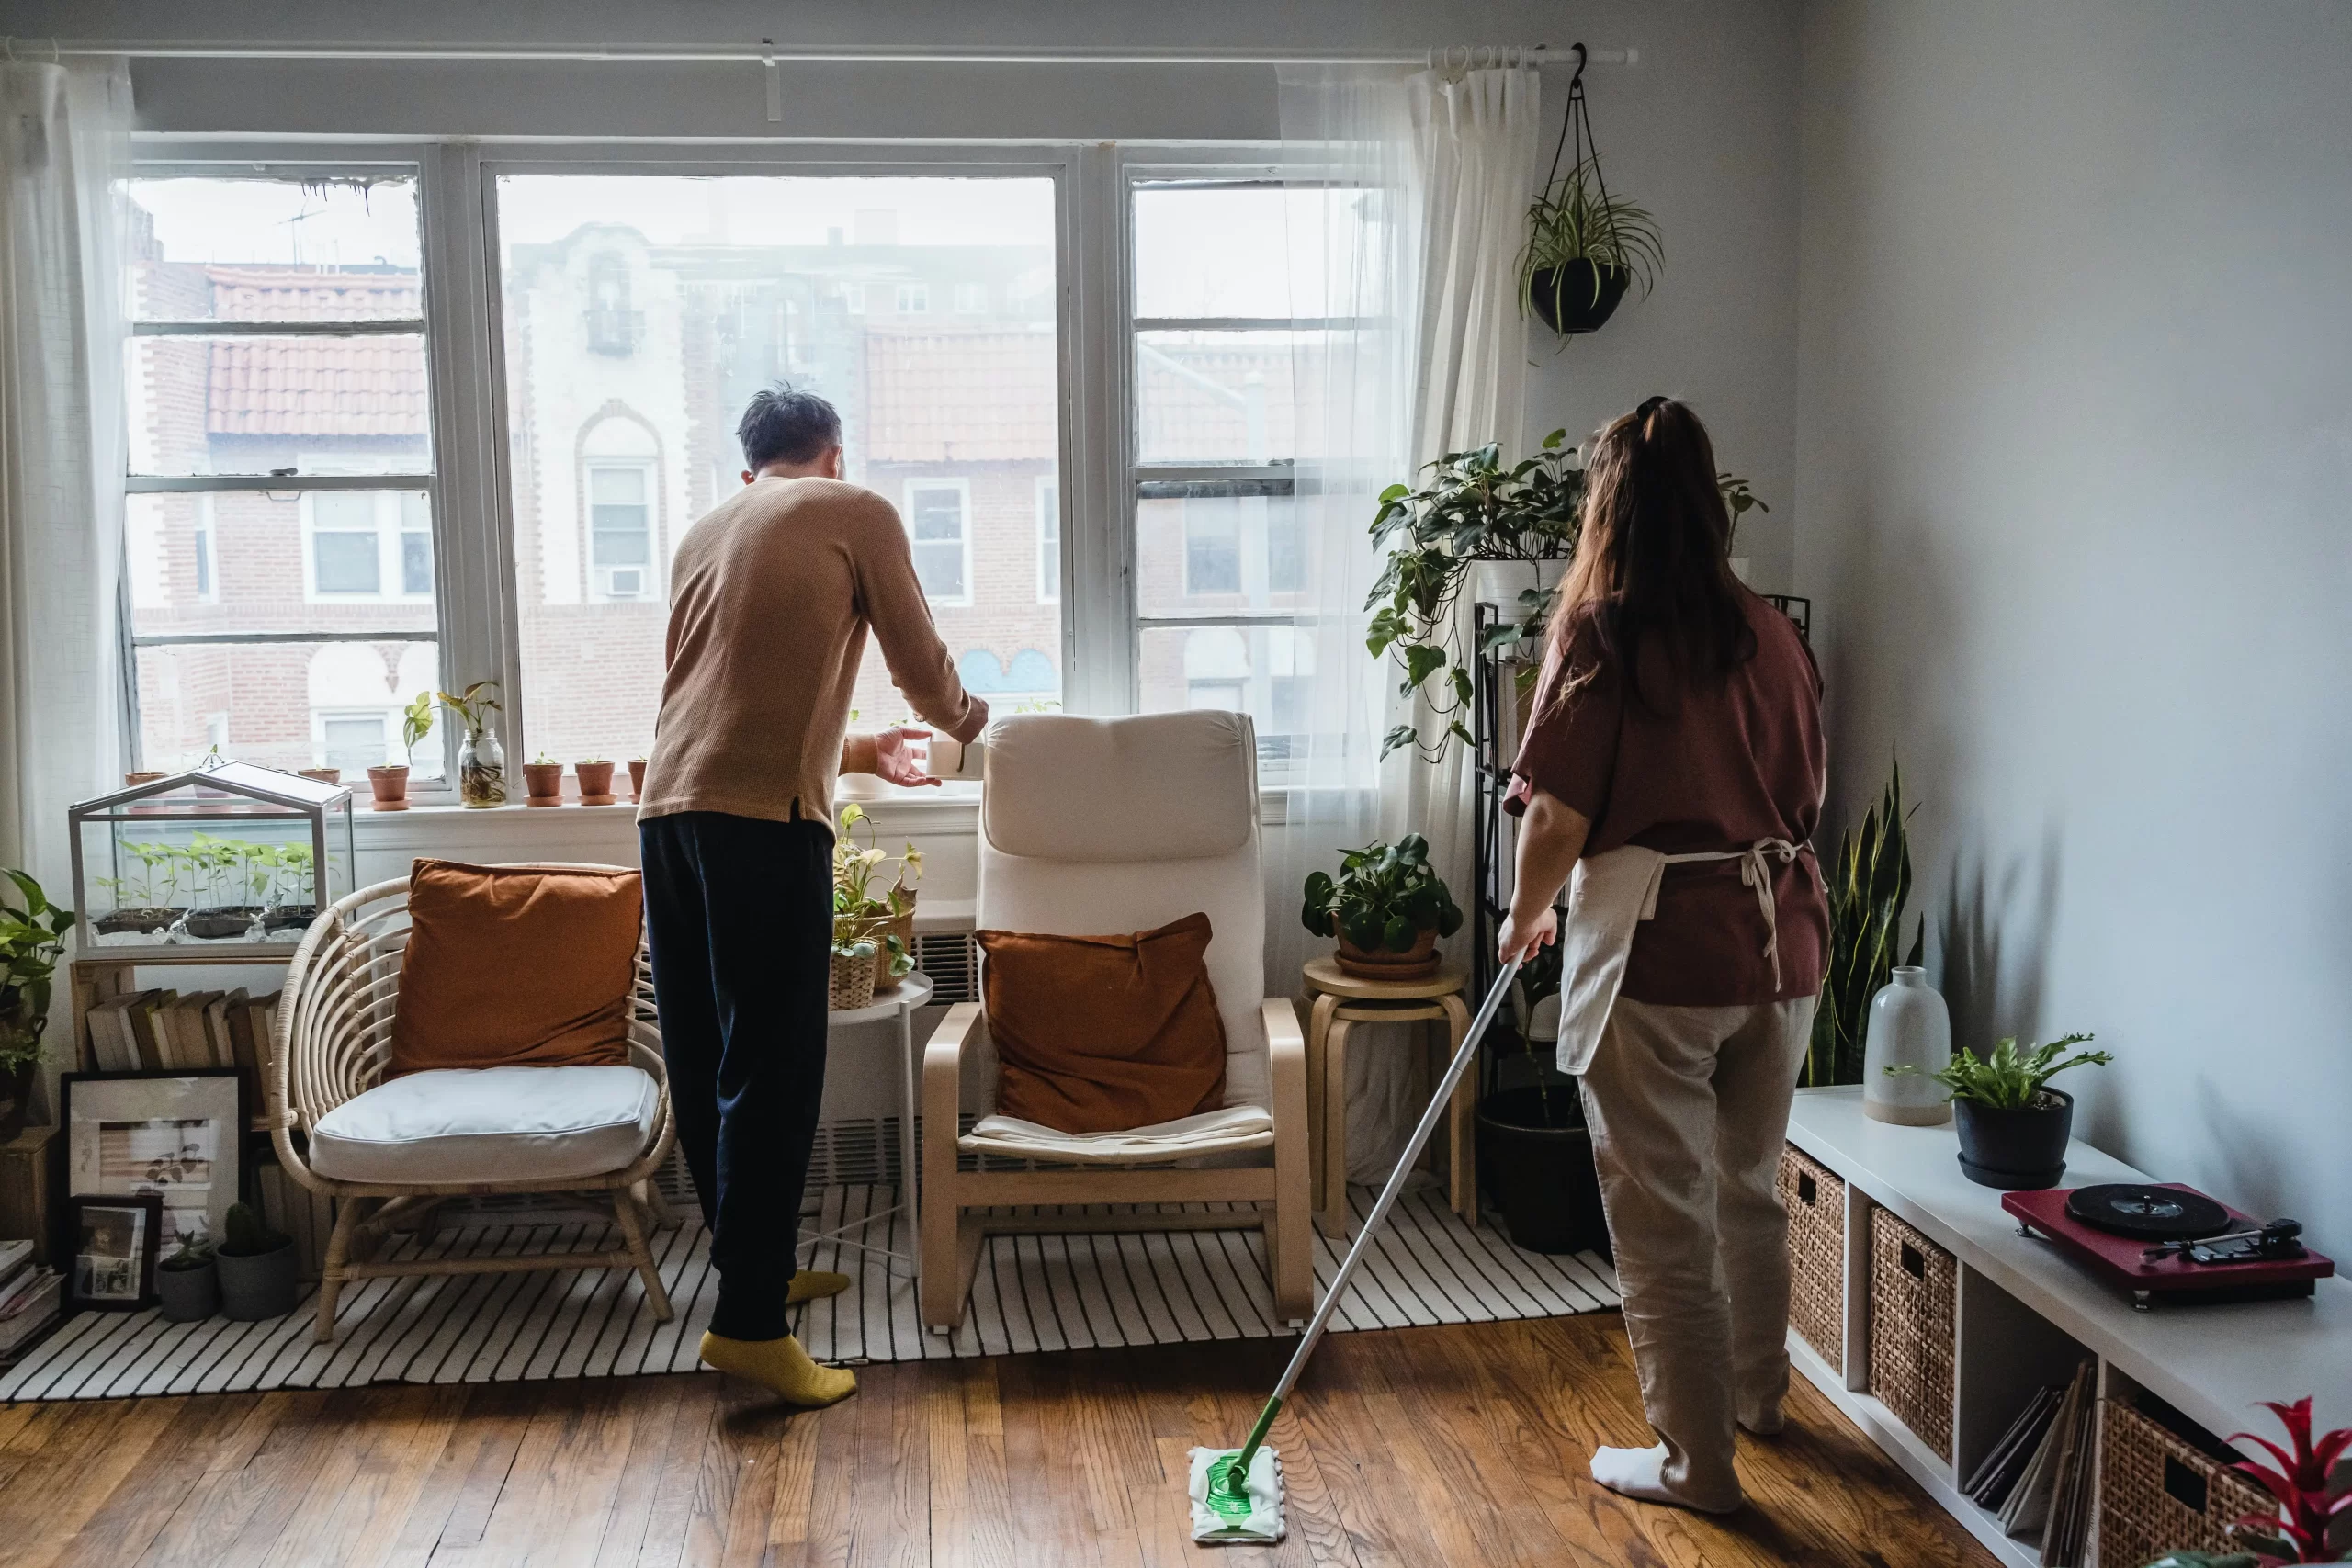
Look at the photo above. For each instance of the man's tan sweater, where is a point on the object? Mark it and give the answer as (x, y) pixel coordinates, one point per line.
(770, 595)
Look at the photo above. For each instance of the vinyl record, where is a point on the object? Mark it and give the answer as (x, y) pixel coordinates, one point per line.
(2152, 1213)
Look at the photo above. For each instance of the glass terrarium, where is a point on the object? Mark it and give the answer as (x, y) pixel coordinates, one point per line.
(228, 855)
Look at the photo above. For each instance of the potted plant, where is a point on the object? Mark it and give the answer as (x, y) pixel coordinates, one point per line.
(1534, 1149)
(886, 918)
(482, 759)
(595, 776)
(293, 901)
(1387, 906)
(2012, 1129)
(323, 775)
(156, 887)
(2313, 1487)
(1584, 247)
(188, 1282)
(543, 777)
(637, 778)
(388, 781)
(31, 941)
(219, 863)
(257, 1268)
(1869, 882)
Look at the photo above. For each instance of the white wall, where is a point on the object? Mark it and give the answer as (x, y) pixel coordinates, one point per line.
(2076, 417)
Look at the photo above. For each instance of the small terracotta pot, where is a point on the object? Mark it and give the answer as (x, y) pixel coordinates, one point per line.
(324, 775)
(595, 783)
(1416, 963)
(389, 783)
(637, 778)
(545, 780)
(146, 775)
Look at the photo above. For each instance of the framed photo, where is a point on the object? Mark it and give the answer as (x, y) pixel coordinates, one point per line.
(179, 1133)
(115, 1242)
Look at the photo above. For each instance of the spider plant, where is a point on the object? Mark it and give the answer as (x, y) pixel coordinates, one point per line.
(1575, 220)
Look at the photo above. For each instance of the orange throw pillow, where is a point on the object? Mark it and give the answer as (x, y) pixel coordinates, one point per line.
(1102, 1034)
(513, 966)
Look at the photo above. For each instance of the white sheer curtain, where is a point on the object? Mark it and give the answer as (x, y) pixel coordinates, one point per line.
(64, 149)
(1413, 188)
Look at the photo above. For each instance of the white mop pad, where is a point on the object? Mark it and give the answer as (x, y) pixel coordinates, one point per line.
(1264, 1520)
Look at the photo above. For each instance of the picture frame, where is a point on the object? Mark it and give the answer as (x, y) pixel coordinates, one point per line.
(175, 1133)
(110, 1265)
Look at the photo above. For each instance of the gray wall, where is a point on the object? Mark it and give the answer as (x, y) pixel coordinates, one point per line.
(2075, 412)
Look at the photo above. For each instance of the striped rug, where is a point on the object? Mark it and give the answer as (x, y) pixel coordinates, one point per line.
(1032, 1294)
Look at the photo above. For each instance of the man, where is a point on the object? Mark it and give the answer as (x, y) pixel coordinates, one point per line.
(771, 598)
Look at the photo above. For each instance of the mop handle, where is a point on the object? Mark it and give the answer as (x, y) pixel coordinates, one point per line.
(1439, 1101)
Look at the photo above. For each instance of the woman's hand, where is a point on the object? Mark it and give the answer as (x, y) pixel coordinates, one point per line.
(1522, 936)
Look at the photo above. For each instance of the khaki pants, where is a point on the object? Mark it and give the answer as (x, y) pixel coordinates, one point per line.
(1690, 1109)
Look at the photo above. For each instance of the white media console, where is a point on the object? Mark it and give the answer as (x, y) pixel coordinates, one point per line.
(2027, 1313)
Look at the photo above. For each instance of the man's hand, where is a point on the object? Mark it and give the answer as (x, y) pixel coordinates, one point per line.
(894, 759)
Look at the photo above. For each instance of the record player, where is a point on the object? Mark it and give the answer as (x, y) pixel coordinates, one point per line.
(2170, 1242)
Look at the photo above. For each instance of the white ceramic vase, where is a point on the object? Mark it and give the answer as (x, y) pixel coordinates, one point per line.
(1909, 1027)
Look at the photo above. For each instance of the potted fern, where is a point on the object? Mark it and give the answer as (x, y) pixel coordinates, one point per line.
(2013, 1126)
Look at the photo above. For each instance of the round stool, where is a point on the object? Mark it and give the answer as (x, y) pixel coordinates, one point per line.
(1341, 999)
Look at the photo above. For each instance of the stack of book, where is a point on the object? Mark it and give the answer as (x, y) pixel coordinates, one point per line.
(28, 1297)
(2037, 1479)
(152, 1030)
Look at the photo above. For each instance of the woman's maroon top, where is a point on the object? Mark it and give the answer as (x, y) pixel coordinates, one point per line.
(1712, 766)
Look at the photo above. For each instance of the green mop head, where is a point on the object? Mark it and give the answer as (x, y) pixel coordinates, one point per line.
(1223, 1512)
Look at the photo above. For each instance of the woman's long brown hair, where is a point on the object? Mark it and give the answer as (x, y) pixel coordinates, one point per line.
(1653, 564)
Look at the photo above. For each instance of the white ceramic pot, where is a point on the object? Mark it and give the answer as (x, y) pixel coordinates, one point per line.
(1909, 1026)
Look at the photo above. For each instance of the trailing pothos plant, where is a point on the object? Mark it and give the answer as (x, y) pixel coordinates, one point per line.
(1472, 508)
(31, 941)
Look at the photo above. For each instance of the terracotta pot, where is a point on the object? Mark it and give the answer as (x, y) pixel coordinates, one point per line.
(595, 783)
(637, 778)
(390, 784)
(545, 780)
(1417, 963)
(323, 775)
(143, 776)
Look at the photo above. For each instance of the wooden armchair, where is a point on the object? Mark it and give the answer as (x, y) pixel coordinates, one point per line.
(398, 1150)
(1090, 826)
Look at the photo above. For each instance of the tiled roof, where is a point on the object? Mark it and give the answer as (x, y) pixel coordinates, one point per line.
(311, 294)
(369, 386)
(944, 397)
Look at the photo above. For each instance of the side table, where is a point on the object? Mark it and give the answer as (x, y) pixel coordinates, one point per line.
(1341, 999)
(898, 1007)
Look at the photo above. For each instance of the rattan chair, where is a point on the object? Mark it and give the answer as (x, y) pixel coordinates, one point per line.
(331, 1045)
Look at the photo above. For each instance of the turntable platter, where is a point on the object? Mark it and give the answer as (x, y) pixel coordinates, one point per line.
(2150, 1214)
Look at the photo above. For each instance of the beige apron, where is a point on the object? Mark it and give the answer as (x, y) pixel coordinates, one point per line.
(1610, 894)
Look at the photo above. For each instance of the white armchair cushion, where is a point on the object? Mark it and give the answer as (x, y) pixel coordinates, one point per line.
(1211, 1132)
(489, 1124)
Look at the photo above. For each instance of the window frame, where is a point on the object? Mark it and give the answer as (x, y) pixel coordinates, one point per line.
(1048, 542)
(648, 468)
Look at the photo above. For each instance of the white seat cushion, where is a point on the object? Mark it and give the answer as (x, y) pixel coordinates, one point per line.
(489, 1124)
(1210, 1132)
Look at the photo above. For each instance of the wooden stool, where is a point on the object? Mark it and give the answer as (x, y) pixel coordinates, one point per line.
(1340, 1000)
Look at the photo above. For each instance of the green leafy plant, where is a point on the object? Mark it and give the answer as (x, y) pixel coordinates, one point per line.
(1575, 220)
(293, 876)
(192, 1254)
(2010, 1079)
(1869, 882)
(250, 1236)
(31, 941)
(2315, 1503)
(473, 705)
(588, 761)
(1739, 501)
(416, 721)
(864, 912)
(1384, 896)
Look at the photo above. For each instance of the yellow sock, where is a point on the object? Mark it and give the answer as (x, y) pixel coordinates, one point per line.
(780, 1366)
(810, 1284)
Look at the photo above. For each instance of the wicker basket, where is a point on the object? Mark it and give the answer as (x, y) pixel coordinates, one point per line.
(1915, 1287)
(2159, 1493)
(853, 982)
(1815, 1200)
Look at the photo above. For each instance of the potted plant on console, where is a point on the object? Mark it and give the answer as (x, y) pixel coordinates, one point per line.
(257, 1268)
(1387, 906)
(2013, 1126)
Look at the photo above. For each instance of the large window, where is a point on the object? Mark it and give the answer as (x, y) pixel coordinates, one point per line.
(279, 545)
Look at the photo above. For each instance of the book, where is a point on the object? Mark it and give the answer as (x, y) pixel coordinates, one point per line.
(34, 1313)
(146, 1035)
(245, 1045)
(183, 1030)
(2071, 1485)
(2027, 1511)
(13, 1294)
(1979, 1478)
(111, 1043)
(1998, 1476)
(16, 1258)
(215, 1026)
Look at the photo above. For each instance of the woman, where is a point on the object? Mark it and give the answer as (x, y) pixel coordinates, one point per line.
(1674, 765)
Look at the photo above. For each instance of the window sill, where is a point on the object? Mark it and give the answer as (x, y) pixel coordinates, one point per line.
(451, 827)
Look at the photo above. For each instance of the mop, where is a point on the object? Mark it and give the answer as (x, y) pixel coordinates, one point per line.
(1238, 1493)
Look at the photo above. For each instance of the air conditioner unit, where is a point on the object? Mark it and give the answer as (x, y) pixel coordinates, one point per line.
(622, 581)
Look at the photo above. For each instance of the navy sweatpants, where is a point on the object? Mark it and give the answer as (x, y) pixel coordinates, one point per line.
(739, 915)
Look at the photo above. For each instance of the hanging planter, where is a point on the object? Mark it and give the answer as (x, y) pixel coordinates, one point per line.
(1584, 248)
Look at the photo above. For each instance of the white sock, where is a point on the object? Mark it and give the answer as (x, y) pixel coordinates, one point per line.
(1641, 1473)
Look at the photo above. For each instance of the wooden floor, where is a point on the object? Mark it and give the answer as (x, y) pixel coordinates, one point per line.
(1420, 1447)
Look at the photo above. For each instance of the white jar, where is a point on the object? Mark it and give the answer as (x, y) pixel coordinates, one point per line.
(1909, 1027)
